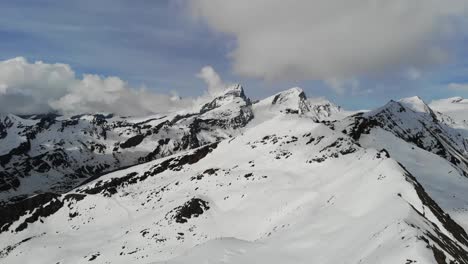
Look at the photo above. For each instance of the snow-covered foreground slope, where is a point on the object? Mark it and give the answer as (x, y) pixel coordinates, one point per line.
(441, 179)
(285, 179)
(286, 190)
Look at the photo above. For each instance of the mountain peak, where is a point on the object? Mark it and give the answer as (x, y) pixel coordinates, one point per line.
(292, 100)
(408, 108)
(291, 93)
(235, 87)
(231, 100)
(412, 100)
(234, 90)
(296, 89)
(456, 99)
(415, 103)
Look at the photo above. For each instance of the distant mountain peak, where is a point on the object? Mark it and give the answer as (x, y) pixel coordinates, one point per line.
(234, 94)
(456, 99)
(292, 93)
(292, 100)
(415, 103)
(233, 90)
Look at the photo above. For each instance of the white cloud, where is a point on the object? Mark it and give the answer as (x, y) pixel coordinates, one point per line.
(340, 86)
(458, 86)
(212, 80)
(31, 88)
(97, 94)
(27, 87)
(328, 39)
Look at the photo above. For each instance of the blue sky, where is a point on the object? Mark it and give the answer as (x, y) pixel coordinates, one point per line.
(158, 44)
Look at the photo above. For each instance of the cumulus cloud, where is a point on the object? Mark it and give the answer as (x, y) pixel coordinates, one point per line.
(212, 80)
(32, 88)
(112, 95)
(332, 39)
(27, 87)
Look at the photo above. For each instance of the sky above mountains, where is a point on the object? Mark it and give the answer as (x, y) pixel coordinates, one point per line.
(141, 55)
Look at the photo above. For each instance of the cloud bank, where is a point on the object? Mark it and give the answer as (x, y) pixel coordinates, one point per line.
(461, 87)
(32, 88)
(333, 39)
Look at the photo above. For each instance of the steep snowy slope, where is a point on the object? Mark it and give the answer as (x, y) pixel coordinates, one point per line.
(436, 154)
(286, 190)
(441, 179)
(416, 123)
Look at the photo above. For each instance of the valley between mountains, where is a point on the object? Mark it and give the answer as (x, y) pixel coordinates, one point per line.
(285, 179)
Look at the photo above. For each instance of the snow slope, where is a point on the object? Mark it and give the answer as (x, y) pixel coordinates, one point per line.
(287, 190)
(455, 107)
(415, 122)
(433, 150)
(298, 183)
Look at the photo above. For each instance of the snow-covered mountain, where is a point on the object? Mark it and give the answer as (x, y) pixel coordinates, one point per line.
(55, 153)
(413, 121)
(286, 179)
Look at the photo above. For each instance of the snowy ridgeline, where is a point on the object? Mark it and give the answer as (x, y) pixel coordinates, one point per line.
(286, 179)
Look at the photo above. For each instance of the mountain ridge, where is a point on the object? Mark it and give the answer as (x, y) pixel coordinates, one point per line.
(284, 179)
(45, 145)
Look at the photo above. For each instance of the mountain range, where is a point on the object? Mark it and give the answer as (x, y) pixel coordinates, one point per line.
(285, 179)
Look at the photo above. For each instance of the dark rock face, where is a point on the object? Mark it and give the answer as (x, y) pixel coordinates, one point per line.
(5, 124)
(133, 141)
(35, 205)
(38, 207)
(42, 211)
(8, 181)
(4, 252)
(192, 208)
(22, 149)
(111, 186)
(361, 126)
(342, 146)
